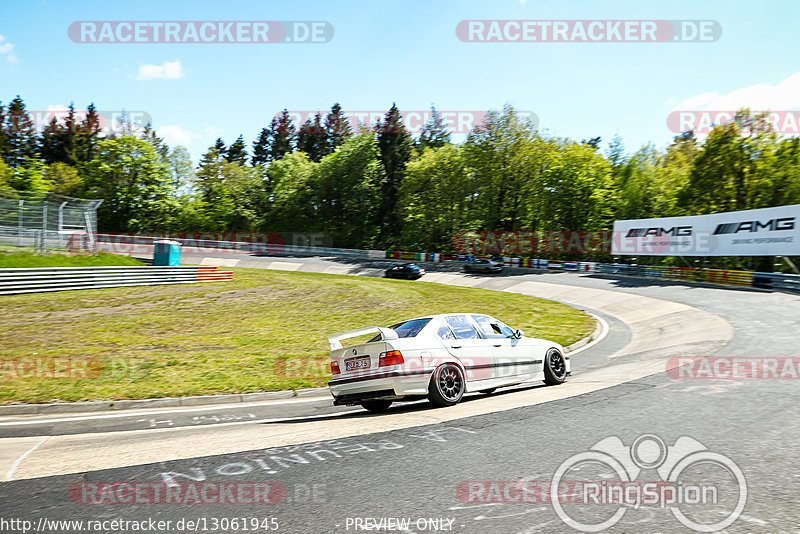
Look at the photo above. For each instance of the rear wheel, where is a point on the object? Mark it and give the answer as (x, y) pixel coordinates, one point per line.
(377, 405)
(447, 385)
(555, 368)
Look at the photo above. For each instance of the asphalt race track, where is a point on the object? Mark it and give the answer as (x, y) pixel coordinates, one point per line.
(484, 466)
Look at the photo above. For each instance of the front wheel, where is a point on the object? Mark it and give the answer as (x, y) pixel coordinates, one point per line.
(555, 368)
(447, 385)
(377, 405)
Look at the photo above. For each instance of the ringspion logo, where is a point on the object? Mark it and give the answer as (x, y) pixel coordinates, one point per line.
(588, 31)
(199, 32)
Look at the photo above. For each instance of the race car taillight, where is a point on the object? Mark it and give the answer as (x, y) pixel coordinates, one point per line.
(335, 368)
(393, 357)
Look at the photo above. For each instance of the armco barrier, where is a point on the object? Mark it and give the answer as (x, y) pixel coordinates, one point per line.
(783, 282)
(16, 281)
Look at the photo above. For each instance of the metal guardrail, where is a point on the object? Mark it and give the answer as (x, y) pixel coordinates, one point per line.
(15, 281)
(780, 281)
(126, 244)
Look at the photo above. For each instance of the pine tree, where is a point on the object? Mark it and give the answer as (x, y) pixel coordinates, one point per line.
(236, 152)
(20, 135)
(49, 142)
(283, 136)
(3, 135)
(219, 146)
(86, 148)
(261, 148)
(150, 135)
(337, 128)
(312, 139)
(434, 134)
(395, 145)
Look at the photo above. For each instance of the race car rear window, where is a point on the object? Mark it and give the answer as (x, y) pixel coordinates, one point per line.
(410, 328)
(406, 328)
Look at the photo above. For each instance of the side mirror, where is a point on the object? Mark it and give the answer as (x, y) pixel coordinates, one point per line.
(518, 333)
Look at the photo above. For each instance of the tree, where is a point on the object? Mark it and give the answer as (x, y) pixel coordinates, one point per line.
(6, 175)
(236, 153)
(261, 147)
(282, 133)
(63, 179)
(219, 146)
(436, 198)
(150, 135)
(395, 146)
(506, 153)
(348, 192)
(20, 137)
(337, 128)
(135, 182)
(725, 174)
(293, 205)
(312, 139)
(89, 130)
(30, 176)
(592, 142)
(434, 133)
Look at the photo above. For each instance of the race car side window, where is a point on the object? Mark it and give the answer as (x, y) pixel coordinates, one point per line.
(462, 327)
(445, 332)
(506, 330)
(490, 328)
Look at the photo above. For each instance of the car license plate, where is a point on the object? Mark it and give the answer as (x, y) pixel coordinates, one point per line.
(356, 363)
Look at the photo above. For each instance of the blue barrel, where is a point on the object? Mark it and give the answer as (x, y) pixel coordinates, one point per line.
(167, 253)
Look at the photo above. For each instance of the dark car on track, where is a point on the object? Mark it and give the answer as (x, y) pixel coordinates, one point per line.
(409, 271)
(483, 265)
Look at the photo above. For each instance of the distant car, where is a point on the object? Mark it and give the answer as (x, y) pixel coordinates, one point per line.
(409, 271)
(440, 357)
(483, 265)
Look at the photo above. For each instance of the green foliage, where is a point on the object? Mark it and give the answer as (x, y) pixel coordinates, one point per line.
(30, 176)
(134, 179)
(28, 259)
(63, 179)
(437, 198)
(395, 148)
(349, 188)
(434, 134)
(381, 188)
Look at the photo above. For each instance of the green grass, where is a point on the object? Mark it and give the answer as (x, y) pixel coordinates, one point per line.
(265, 331)
(10, 258)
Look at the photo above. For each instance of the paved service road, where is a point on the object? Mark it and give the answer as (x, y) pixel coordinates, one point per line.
(315, 468)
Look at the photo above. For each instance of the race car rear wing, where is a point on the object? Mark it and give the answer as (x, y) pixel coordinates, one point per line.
(335, 342)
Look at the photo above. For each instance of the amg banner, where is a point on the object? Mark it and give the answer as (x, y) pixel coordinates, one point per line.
(761, 232)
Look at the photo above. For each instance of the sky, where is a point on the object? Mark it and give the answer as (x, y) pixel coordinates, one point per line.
(404, 52)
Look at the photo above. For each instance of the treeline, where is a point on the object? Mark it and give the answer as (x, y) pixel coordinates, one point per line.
(380, 187)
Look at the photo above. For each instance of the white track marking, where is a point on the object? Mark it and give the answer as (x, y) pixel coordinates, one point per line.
(16, 465)
(182, 410)
(603, 333)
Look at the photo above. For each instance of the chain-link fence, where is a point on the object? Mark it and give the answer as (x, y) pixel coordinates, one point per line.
(47, 221)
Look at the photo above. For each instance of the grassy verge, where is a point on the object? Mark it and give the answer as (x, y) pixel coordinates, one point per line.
(265, 331)
(11, 258)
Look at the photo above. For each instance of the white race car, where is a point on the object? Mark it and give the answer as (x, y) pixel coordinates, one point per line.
(440, 357)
